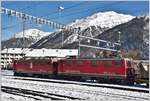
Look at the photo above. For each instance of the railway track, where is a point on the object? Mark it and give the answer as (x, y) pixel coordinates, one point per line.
(119, 87)
(33, 93)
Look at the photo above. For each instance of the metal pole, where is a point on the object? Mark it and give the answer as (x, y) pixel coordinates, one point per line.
(23, 33)
(62, 38)
(79, 45)
(60, 9)
(79, 42)
(119, 40)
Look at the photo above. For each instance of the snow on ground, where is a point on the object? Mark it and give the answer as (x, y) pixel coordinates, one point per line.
(10, 97)
(7, 72)
(86, 92)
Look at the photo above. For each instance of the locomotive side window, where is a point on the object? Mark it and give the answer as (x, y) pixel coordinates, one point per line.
(40, 63)
(129, 63)
(107, 63)
(69, 62)
(118, 63)
(26, 64)
(94, 63)
(79, 62)
(100, 63)
(35, 63)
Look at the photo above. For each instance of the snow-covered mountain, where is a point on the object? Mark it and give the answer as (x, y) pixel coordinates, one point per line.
(32, 34)
(134, 36)
(24, 39)
(103, 19)
(97, 23)
(91, 26)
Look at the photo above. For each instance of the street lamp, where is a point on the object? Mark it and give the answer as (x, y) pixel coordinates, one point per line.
(60, 9)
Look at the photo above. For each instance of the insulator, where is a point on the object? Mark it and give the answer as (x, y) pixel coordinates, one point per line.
(3, 10)
(20, 15)
(23, 16)
(34, 18)
(17, 14)
(30, 17)
(27, 17)
(57, 25)
(13, 13)
(8, 12)
(60, 26)
(48, 22)
(38, 20)
(53, 24)
(45, 21)
(98, 43)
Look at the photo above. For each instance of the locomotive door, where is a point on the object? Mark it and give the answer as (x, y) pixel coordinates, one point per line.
(55, 68)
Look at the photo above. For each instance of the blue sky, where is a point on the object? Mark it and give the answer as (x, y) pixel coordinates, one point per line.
(73, 10)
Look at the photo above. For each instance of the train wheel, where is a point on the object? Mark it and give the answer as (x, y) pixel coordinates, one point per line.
(17, 74)
(130, 81)
(147, 85)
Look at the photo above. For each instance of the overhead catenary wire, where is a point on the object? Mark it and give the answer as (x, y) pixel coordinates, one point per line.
(47, 14)
(38, 20)
(67, 15)
(78, 11)
(58, 25)
(81, 11)
(22, 9)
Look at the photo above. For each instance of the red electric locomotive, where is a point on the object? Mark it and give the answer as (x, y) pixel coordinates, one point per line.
(32, 67)
(112, 70)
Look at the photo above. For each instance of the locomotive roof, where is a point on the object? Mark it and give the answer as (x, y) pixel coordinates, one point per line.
(42, 59)
(98, 59)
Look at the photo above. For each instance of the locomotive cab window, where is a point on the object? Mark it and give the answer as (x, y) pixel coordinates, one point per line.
(118, 63)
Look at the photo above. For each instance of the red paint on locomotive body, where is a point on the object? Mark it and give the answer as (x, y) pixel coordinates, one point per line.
(97, 67)
(100, 68)
(33, 66)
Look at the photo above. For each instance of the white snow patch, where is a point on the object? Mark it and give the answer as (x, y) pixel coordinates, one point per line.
(32, 33)
(103, 19)
(86, 92)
